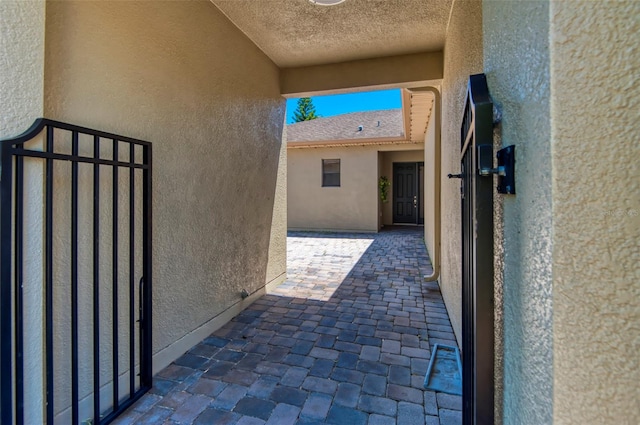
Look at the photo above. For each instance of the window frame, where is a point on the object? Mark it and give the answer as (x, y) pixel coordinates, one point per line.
(326, 174)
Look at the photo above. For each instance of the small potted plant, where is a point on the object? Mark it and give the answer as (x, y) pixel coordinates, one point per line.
(383, 184)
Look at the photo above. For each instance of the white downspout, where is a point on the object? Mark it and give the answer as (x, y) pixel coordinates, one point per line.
(435, 256)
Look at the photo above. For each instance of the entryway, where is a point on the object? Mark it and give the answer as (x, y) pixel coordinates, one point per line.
(408, 191)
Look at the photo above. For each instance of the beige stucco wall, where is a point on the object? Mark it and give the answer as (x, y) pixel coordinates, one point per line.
(595, 61)
(516, 64)
(352, 206)
(570, 234)
(22, 37)
(388, 158)
(462, 57)
(22, 65)
(277, 255)
(181, 76)
(412, 70)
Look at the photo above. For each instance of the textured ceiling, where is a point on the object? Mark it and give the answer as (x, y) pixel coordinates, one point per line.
(297, 33)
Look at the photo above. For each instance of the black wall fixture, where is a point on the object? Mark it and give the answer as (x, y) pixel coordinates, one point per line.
(505, 169)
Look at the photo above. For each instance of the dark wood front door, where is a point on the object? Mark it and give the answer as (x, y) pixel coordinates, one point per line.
(406, 192)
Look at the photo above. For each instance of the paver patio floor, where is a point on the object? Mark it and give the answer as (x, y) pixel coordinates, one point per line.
(345, 340)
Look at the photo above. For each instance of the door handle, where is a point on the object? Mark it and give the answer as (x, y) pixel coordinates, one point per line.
(415, 201)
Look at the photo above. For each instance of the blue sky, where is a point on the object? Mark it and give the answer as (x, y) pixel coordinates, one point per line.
(337, 104)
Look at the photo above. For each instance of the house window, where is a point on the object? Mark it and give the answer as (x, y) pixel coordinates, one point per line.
(330, 172)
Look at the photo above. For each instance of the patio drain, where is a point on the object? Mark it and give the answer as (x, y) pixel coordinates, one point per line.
(445, 370)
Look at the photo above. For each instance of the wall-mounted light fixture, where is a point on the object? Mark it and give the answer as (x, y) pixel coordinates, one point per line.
(326, 2)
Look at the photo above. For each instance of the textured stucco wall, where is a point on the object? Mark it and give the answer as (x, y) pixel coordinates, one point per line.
(413, 70)
(277, 261)
(595, 61)
(462, 57)
(22, 35)
(352, 206)
(181, 76)
(516, 64)
(22, 64)
(387, 170)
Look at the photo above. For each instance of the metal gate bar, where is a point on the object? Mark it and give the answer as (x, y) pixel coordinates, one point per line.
(96, 277)
(12, 264)
(19, 214)
(114, 227)
(477, 259)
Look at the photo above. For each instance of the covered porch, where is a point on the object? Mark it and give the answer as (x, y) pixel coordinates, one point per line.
(205, 82)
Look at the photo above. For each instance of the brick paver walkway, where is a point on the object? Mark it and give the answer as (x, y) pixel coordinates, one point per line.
(345, 340)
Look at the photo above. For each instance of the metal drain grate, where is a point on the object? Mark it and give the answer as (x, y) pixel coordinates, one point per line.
(445, 370)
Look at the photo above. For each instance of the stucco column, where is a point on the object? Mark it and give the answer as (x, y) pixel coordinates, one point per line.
(21, 91)
(595, 97)
(22, 64)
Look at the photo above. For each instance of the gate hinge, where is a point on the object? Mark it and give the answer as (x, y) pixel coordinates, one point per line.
(505, 169)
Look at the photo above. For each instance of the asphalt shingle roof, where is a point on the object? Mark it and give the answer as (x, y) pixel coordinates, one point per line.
(375, 124)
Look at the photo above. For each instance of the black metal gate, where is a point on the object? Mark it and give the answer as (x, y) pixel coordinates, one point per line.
(477, 256)
(75, 274)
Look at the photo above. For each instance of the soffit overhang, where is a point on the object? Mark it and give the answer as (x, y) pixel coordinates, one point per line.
(419, 108)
